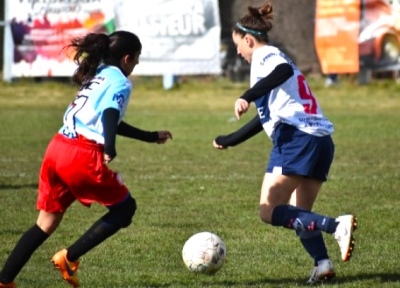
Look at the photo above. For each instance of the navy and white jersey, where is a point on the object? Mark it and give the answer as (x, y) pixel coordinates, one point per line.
(108, 89)
(292, 102)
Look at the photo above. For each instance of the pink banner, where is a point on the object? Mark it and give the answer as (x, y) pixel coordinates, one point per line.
(41, 29)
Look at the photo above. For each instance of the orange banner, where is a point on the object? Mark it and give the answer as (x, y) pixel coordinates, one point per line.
(337, 29)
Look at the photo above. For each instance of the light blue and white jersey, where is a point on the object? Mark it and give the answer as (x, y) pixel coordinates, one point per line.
(292, 102)
(108, 89)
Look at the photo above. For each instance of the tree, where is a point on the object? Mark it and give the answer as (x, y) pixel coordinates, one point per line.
(293, 27)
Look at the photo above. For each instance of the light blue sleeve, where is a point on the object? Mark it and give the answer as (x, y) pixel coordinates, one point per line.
(117, 96)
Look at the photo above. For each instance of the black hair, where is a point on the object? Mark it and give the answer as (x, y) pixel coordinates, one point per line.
(96, 48)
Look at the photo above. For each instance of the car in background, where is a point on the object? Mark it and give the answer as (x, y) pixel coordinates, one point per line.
(379, 39)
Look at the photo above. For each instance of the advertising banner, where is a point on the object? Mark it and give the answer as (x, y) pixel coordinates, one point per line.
(337, 28)
(41, 29)
(179, 37)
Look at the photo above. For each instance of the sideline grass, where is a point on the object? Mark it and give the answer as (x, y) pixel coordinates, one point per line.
(186, 186)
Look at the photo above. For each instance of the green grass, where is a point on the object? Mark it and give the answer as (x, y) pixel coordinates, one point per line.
(186, 186)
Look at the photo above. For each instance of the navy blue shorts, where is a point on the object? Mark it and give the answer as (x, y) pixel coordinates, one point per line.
(298, 153)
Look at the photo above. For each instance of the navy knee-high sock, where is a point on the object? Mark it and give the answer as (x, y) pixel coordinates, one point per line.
(119, 216)
(313, 243)
(99, 232)
(299, 219)
(27, 244)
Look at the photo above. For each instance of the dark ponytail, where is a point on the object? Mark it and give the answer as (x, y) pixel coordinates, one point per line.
(89, 53)
(94, 49)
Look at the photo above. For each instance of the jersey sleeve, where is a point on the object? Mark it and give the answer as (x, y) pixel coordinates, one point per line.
(117, 96)
(265, 61)
(279, 75)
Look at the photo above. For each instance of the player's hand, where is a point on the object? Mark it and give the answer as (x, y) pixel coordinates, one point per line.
(163, 136)
(216, 145)
(241, 107)
(107, 158)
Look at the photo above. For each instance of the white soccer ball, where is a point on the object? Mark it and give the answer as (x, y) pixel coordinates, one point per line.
(204, 253)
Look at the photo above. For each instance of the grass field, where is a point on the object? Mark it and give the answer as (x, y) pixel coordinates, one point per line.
(186, 186)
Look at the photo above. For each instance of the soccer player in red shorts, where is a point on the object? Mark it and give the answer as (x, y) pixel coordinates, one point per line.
(75, 163)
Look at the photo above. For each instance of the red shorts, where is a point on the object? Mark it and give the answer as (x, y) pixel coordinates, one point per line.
(74, 169)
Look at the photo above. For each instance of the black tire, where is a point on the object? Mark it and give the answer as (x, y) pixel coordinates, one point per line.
(390, 50)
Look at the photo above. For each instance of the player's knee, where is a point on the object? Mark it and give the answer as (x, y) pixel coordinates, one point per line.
(265, 213)
(122, 214)
(265, 218)
(128, 211)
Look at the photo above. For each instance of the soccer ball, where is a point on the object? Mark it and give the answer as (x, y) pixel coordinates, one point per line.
(204, 253)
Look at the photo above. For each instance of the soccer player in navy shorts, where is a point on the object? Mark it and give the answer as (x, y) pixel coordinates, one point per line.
(303, 149)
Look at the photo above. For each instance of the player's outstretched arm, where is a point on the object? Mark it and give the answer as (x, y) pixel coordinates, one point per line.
(247, 131)
(110, 119)
(160, 137)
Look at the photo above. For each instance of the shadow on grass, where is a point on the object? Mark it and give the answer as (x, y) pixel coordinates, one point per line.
(268, 282)
(379, 277)
(17, 187)
(290, 282)
(12, 232)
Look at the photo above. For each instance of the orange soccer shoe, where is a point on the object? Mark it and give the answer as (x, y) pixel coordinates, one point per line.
(8, 285)
(67, 268)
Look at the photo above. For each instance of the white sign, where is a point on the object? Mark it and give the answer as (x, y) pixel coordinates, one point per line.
(178, 36)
